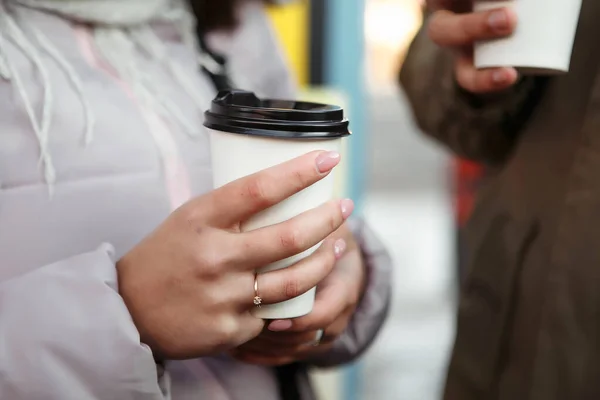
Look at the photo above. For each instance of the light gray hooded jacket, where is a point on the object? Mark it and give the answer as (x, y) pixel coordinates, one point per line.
(100, 139)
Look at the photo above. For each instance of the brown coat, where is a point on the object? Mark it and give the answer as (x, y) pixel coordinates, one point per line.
(529, 319)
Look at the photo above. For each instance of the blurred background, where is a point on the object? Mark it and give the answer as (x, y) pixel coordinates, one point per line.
(349, 52)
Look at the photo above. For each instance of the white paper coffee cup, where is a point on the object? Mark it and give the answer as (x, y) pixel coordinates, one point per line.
(248, 135)
(542, 42)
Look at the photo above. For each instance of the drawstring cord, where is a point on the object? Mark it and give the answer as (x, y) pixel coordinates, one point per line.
(90, 119)
(118, 47)
(41, 128)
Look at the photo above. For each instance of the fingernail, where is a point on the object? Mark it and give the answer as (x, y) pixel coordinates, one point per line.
(347, 207)
(326, 161)
(498, 20)
(499, 77)
(280, 326)
(339, 247)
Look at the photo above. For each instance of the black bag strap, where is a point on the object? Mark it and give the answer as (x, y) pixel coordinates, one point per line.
(214, 66)
(287, 379)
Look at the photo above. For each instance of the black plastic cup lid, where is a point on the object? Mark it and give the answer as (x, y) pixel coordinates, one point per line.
(242, 112)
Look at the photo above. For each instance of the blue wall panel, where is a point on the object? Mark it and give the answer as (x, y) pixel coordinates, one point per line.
(345, 71)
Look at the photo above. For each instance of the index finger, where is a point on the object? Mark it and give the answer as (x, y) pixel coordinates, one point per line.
(450, 29)
(241, 199)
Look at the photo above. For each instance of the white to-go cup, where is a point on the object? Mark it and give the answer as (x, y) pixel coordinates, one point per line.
(247, 135)
(542, 42)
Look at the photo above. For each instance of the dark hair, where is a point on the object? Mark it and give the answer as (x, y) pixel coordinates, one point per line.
(217, 14)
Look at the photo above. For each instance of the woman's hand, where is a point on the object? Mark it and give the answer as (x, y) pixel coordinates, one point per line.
(287, 341)
(453, 26)
(189, 286)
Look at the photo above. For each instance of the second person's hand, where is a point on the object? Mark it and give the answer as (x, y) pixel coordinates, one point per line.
(454, 27)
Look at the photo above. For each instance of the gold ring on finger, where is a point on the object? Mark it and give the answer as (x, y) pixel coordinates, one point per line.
(257, 299)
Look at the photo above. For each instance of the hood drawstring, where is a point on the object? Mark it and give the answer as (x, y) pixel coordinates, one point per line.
(118, 46)
(41, 127)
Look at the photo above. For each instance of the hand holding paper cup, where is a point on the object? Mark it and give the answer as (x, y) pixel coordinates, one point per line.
(542, 42)
(454, 27)
(248, 135)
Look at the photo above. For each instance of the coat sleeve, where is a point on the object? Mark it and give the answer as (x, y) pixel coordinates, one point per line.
(65, 334)
(480, 128)
(374, 306)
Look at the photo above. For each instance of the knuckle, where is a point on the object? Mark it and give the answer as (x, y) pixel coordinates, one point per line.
(211, 271)
(228, 330)
(292, 239)
(254, 326)
(257, 191)
(311, 323)
(300, 180)
(326, 262)
(335, 217)
(464, 75)
(225, 257)
(204, 264)
(306, 323)
(327, 319)
(217, 298)
(433, 27)
(473, 27)
(211, 260)
(326, 254)
(330, 262)
(291, 287)
(459, 75)
(436, 28)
